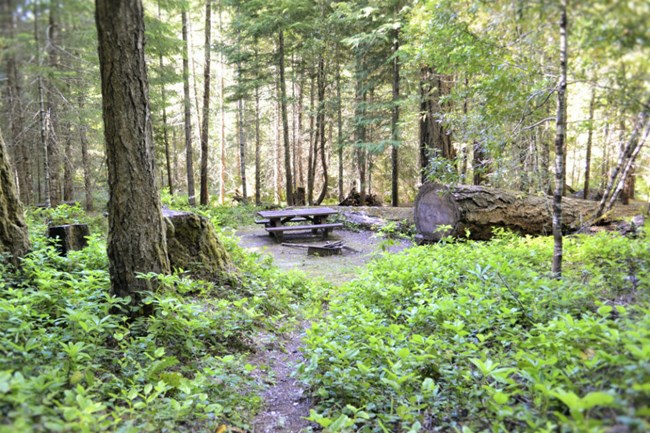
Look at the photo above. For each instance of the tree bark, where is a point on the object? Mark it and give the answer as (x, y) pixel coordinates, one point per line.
(258, 145)
(222, 123)
(479, 209)
(313, 142)
(394, 124)
(242, 145)
(85, 158)
(560, 141)
(285, 121)
(590, 134)
(204, 199)
(47, 190)
(435, 140)
(163, 95)
(320, 122)
(339, 128)
(14, 238)
(136, 234)
(188, 112)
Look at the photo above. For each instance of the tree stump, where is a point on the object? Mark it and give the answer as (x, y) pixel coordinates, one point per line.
(70, 237)
(480, 209)
(193, 245)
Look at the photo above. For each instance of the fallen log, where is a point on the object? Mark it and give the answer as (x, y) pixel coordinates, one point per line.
(441, 211)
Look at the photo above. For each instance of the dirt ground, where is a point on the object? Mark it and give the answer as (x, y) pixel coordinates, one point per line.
(361, 247)
(286, 401)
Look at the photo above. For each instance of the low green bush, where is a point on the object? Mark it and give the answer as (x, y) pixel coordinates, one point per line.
(472, 337)
(68, 365)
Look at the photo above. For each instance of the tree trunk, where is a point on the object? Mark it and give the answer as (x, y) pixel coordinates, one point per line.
(626, 160)
(47, 191)
(85, 159)
(320, 122)
(68, 166)
(242, 138)
(258, 145)
(136, 235)
(435, 140)
(339, 127)
(163, 95)
(313, 144)
(55, 159)
(206, 105)
(590, 134)
(188, 113)
(222, 124)
(560, 141)
(360, 129)
(14, 238)
(394, 124)
(285, 121)
(440, 211)
(15, 107)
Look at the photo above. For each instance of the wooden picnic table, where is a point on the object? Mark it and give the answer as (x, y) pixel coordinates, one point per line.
(276, 222)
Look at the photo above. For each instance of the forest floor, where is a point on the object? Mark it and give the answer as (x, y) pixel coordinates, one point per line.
(286, 403)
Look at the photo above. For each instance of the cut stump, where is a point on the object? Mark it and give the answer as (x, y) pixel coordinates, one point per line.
(193, 246)
(441, 211)
(69, 237)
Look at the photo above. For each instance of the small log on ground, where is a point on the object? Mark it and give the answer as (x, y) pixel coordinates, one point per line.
(70, 237)
(354, 199)
(479, 210)
(193, 245)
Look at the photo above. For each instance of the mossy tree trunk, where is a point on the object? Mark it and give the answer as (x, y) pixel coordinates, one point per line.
(136, 237)
(13, 230)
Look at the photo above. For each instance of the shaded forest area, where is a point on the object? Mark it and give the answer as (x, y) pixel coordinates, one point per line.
(277, 101)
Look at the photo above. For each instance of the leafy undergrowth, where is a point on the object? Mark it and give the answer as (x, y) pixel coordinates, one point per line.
(66, 364)
(478, 337)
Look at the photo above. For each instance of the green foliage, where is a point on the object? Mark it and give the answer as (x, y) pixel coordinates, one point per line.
(473, 336)
(67, 364)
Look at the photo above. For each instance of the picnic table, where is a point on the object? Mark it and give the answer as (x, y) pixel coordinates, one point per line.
(276, 222)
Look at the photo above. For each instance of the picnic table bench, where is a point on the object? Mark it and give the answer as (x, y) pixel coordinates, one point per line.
(276, 222)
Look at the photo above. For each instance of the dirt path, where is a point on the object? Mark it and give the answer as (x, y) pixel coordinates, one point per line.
(286, 400)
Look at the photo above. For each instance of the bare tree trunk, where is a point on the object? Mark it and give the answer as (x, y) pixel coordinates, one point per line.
(222, 129)
(242, 140)
(206, 105)
(590, 134)
(258, 145)
(300, 132)
(313, 143)
(188, 113)
(55, 158)
(339, 127)
(42, 114)
(626, 160)
(68, 166)
(163, 94)
(285, 121)
(360, 129)
(320, 122)
(560, 140)
(394, 124)
(136, 234)
(85, 159)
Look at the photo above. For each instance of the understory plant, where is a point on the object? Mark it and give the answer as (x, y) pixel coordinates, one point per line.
(68, 365)
(479, 337)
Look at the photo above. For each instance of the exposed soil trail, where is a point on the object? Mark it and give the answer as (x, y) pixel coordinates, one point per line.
(286, 402)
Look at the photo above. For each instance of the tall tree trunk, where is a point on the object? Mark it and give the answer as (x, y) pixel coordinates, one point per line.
(55, 158)
(339, 128)
(15, 107)
(222, 123)
(285, 121)
(300, 133)
(360, 127)
(163, 95)
(590, 134)
(560, 140)
(435, 140)
(313, 142)
(68, 166)
(394, 123)
(136, 234)
(626, 159)
(14, 238)
(258, 145)
(85, 158)
(188, 113)
(206, 104)
(242, 139)
(42, 114)
(320, 121)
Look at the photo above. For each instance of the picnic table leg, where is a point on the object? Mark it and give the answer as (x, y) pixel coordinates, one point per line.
(317, 220)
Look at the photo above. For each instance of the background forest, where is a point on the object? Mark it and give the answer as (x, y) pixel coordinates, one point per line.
(267, 98)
